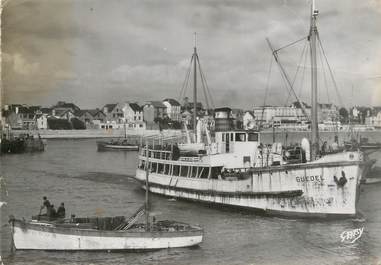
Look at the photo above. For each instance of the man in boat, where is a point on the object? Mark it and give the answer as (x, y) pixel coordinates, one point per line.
(53, 212)
(61, 211)
(46, 204)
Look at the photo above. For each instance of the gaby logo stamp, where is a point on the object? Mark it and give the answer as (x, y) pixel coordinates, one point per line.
(351, 236)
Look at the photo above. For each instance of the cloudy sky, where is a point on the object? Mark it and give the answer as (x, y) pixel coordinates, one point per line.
(94, 52)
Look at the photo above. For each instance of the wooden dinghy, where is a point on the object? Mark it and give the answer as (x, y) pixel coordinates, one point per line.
(104, 233)
(107, 233)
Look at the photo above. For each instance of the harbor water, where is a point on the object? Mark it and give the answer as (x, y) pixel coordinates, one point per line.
(92, 183)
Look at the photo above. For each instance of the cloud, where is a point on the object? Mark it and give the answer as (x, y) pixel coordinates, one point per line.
(20, 65)
(113, 49)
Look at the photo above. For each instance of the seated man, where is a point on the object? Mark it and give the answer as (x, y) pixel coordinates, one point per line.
(46, 204)
(61, 211)
(53, 212)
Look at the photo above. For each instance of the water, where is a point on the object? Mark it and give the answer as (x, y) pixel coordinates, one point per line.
(100, 183)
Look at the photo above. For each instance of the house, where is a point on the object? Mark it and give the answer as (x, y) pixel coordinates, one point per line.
(173, 109)
(91, 118)
(278, 115)
(63, 113)
(21, 116)
(133, 115)
(64, 110)
(154, 111)
(374, 117)
(248, 120)
(42, 121)
(327, 112)
(114, 112)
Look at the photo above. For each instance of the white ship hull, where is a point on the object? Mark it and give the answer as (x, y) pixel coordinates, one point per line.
(45, 237)
(304, 190)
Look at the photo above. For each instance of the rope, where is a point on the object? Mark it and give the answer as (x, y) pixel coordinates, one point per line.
(290, 44)
(297, 71)
(205, 84)
(186, 80)
(324, 74)
(267, 88)
(330, 71)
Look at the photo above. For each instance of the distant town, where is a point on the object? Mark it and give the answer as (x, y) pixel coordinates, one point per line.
(172, 114)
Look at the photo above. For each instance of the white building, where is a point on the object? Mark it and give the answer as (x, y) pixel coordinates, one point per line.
(133, 115)
(173, 109)
(278, 115)
(42, 121)
(374, 120)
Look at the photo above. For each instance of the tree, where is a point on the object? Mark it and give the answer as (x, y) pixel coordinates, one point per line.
(77, 124)
(343, 115)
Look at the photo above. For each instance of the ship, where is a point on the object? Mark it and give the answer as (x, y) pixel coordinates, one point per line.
(237, 169)
(117, 145)
(115, 233)
(121, 144)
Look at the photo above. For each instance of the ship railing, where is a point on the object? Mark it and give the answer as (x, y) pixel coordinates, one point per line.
(156, 153)
(190, 159)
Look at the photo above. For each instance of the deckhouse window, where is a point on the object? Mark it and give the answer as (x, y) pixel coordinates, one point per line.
(253, 137)
(240, 137)
(184, 171)
(176, 170)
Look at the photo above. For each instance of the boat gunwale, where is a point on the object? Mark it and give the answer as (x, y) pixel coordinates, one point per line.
(51, 228)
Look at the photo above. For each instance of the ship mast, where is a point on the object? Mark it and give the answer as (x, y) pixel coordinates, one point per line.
(195, 85)
(146, 204)
(314, 105)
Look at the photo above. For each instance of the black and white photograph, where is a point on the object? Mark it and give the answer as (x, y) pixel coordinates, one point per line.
(199, 132)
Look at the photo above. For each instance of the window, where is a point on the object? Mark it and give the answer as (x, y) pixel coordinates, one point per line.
(204, 172)
(223, 137)
(232, 137)
(184, 171)
(176, 170)
(253, 137)
(240, 137)
(160, 168)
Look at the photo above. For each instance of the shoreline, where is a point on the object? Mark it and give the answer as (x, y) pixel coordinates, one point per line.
(94, 133)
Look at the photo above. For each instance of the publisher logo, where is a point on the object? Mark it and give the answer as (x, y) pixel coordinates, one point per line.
(351, 236)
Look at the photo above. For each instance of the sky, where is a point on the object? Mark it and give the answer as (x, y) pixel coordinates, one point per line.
(93, 52)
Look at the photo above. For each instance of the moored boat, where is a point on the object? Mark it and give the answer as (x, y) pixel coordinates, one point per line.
(121, 145)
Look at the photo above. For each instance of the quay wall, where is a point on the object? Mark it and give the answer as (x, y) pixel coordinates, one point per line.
(93, 133)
